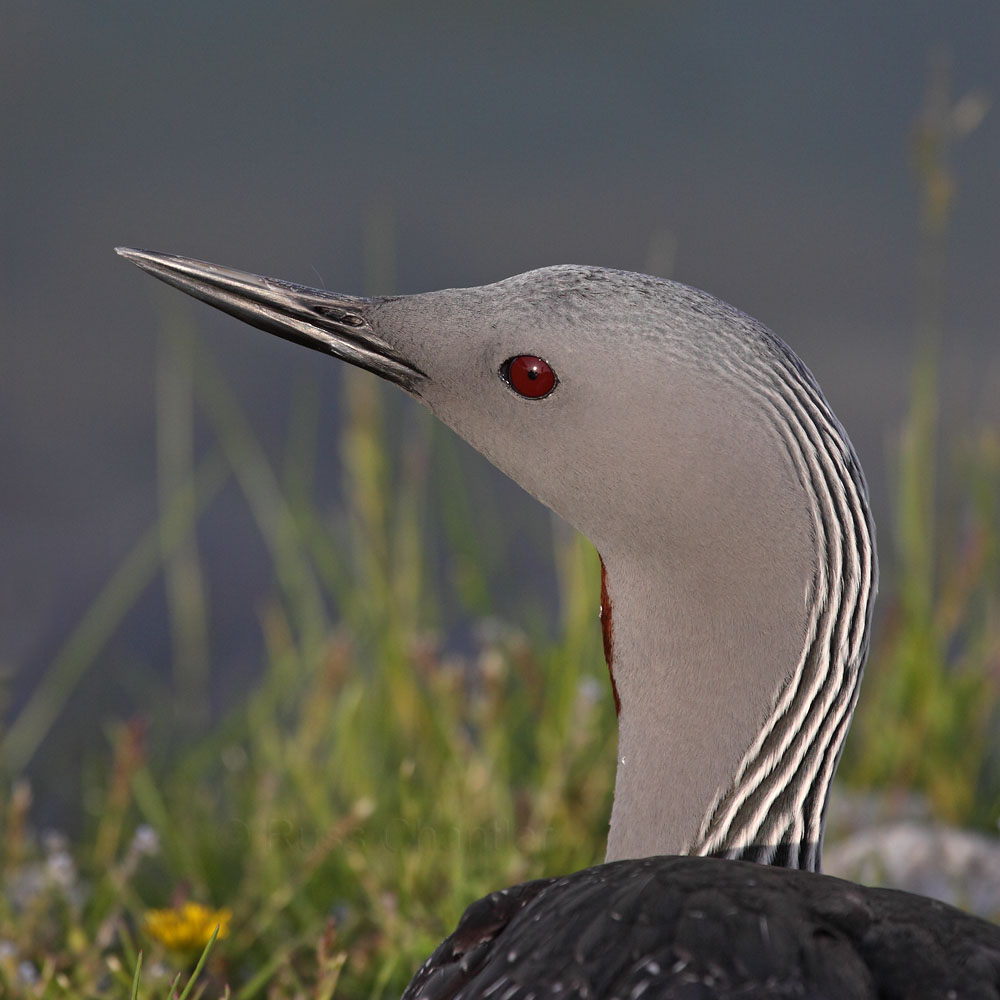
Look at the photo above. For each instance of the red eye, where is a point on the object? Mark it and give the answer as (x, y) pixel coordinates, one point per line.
(528, 376)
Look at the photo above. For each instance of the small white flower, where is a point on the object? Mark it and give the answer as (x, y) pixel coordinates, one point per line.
(146, 840)
(60, 869)
(27, 973)
(54, 842)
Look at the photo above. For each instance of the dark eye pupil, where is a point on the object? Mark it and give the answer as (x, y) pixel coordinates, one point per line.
(529, 376)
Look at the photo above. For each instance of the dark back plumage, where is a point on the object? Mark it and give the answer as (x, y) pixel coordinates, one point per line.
(680, 928)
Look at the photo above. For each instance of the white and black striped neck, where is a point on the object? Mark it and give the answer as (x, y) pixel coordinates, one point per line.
(734, 709)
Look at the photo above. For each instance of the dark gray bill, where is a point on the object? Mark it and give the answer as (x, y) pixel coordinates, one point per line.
(334, 324)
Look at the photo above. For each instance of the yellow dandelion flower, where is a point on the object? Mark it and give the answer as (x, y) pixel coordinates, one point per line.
(187, 927)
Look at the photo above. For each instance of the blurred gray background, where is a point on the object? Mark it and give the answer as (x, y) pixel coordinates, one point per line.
(759, 151)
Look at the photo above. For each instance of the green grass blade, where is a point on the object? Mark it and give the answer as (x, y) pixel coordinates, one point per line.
(187, 595)
(99, 622)
(272, 513)
(201, 965)
(135, 978)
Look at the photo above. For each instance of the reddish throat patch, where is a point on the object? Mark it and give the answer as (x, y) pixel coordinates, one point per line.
(608, 632)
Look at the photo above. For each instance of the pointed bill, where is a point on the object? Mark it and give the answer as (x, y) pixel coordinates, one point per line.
(339, 325)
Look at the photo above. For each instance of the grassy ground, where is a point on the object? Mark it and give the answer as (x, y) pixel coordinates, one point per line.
(336, 823)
